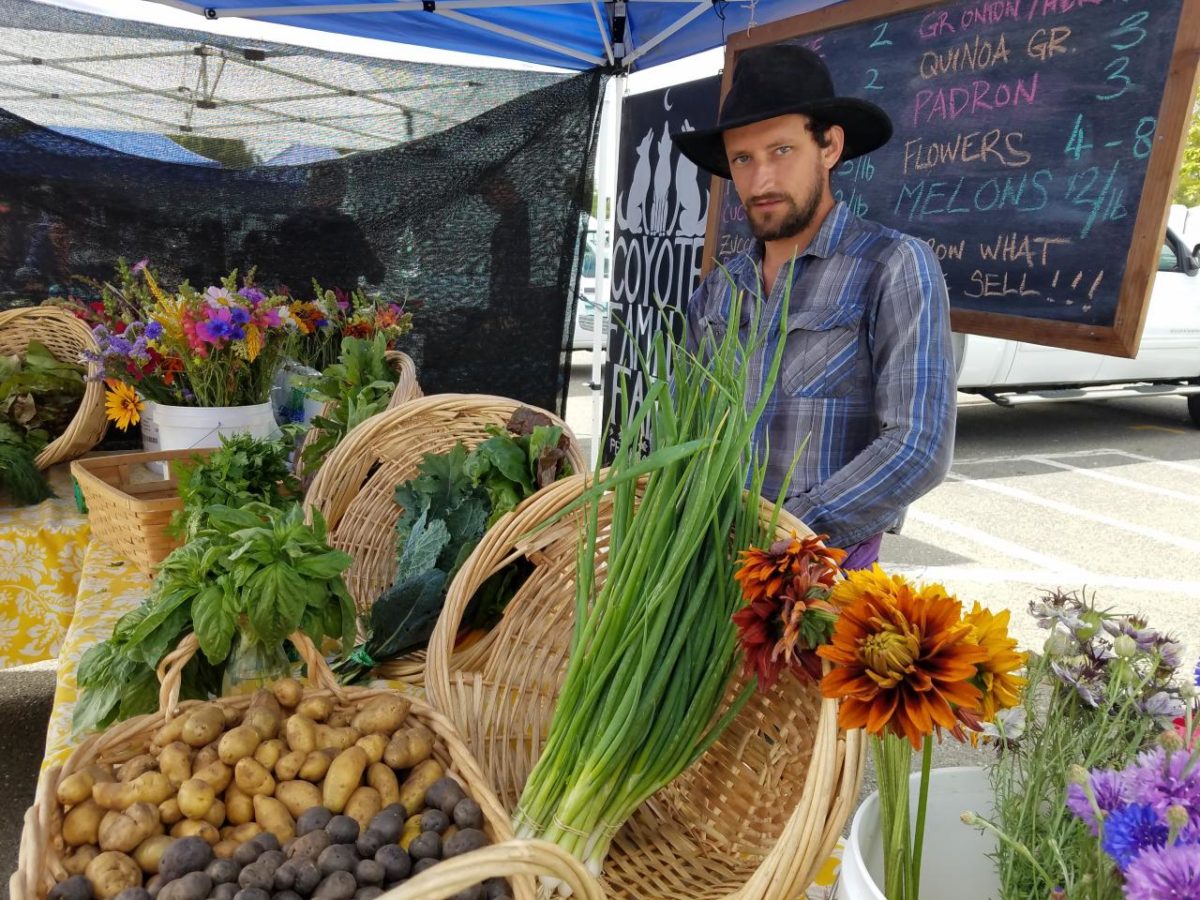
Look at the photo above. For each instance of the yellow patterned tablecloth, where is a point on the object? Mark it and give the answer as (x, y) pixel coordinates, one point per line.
(41, 556)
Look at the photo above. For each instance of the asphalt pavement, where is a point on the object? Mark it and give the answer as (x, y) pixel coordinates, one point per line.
(1101, 497)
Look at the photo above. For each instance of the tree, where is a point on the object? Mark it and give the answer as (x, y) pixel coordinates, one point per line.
(1187, 189)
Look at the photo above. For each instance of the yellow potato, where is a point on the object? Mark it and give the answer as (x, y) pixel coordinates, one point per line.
(245, 832)
(175, 761)
(225, 849)
(216, 813)
(149, 787)
(215, 773)
(315, 708)
(381, 777)
(195, 797)
(423, 775)
(171, 732)
(239, 808)
(111, 872)
(409, 747)
(340, 717)
(251, 778)
(344, 775)
(206, 756)
(301, 733)
(363, 806)
(273, 816)
(289, 765)
(169, 812)
(76, 862)
(196, 828)
(204, 725)
(139, 765)
(233, 716)
(316, 764)
(374, 745)
(268, 752)
(264, 714)
(82, 824)
(77, 787)
(238, 743)
(382, 715)
(331, 738)
(412, 829)
(149, 853)
(298, 796)
(124, 831)
(288, 691)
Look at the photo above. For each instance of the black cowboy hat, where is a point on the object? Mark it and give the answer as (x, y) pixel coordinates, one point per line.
(779, 80)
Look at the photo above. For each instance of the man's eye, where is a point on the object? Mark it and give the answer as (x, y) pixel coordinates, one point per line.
(740, 159)
(785, 149)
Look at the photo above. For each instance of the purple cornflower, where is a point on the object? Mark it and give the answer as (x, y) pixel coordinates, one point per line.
(1159, 780)
(139, 265)
(154, 331)
(239, 315)
(1109, 789)
(1130, 830)
(1196, 674)
(1164, 873)
(253, 294)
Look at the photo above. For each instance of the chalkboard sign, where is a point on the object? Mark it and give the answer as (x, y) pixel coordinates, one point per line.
(1035, 144)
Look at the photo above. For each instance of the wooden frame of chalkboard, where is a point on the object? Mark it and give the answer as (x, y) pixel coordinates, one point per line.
(1094, 316)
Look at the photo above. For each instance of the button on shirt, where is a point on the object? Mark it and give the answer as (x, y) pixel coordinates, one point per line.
(867, 375)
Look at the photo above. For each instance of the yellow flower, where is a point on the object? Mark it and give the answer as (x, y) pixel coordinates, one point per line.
(121, 404)
(253, 341)
(1001, 687)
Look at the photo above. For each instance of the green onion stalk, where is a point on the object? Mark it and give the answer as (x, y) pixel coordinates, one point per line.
(654, 650)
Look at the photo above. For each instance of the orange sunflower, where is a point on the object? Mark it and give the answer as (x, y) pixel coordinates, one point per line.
(997, 680)
(765, 573)
(122, 404)
(903, 659)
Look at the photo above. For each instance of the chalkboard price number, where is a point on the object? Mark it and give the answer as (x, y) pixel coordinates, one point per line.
(1130, 32)
(880, 40)
(872, 81)
(1077, 143)
(856, 201)
(1115, 72)
(1143, 141)
(1095, 191)
(861, 169)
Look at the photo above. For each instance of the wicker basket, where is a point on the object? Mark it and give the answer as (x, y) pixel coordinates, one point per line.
(354, 489)
(406, 389)
(754, 818)
(40, 862)
(130, 513)
(66, 337)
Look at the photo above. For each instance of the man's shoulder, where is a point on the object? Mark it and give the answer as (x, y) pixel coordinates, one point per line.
(868, 239)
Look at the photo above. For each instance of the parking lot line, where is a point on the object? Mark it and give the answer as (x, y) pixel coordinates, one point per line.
(1116, 479)
(1045, 578)
(999, 544)
(1164, 537)
(1169, 463)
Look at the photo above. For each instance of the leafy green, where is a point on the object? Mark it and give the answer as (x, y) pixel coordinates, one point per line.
(20, 478)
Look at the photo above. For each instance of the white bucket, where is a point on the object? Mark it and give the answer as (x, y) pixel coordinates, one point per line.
(954, 862)
(191, 427)
(149, 427)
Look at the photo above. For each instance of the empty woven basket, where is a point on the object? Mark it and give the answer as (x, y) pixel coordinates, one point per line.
(752, 819)
(355, 487)
(66, 337)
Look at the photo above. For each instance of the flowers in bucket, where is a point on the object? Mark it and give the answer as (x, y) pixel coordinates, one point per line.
(909, 662)
(352, 314)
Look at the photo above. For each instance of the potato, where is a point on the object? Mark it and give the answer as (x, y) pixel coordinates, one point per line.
(344, 775)
(139, 765)
(74, 888)
(206, 756)
(269, 752)
(445, 794)
(118, 795)
(274, 817)
(339, 739)
(149, 852)
(252, 778)
(192, 886)
(426, 845)
(423, 775)
(112, 872)
(298, 796)
(124, 831)
(169, 812)
(464, 842)
(175, 762)
(225, 849)
(77, 787)
(316, 764)
(215, 773)
(264, 714)
(288, 692)
(363, 805)
(239, 808)
(216, 814)
(412, 830)
(171, 732)
(382, 715)
(233, 716)
(204, 725)
(409, 747)
(383, 779)
(196, 828)
(467, 814)
(238, 743)
(247, 832)
(189, 854)
(289, 765)
(374, 744)
(301, 733)
(195, 797)
(316, 708)
(76, 862)
(82, 824)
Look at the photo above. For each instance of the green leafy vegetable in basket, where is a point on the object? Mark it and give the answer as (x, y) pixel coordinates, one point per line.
(39, 395)
(445, 511)
(243, 470)
(258, 571)
(357, 387)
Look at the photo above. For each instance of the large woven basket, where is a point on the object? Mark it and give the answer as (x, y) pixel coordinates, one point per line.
(41, 857)
(128, 509)
(752, 819)
(66, 337)
(354, 489)
(406, 389)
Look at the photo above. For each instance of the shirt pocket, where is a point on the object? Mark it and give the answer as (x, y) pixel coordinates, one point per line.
(822, 356)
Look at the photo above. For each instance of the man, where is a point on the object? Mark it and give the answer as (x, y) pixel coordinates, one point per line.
(868, 375)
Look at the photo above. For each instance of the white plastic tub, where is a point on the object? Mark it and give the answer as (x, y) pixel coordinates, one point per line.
(189, 427)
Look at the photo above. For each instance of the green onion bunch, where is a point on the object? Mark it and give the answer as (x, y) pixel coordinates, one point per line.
(654, 649)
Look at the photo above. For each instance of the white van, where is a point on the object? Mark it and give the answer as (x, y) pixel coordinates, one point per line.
(1167, 363)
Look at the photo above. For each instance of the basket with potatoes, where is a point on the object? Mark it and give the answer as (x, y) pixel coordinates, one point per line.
(295, 792)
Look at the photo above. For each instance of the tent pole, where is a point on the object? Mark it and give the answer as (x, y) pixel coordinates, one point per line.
(606, 177)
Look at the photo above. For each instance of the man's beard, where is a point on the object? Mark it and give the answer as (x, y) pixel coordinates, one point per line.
(795, 220)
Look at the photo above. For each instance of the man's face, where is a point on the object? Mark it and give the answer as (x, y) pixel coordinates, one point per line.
(781, 173)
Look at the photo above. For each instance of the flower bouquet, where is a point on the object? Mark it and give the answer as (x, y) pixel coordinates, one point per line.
(356, 315)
